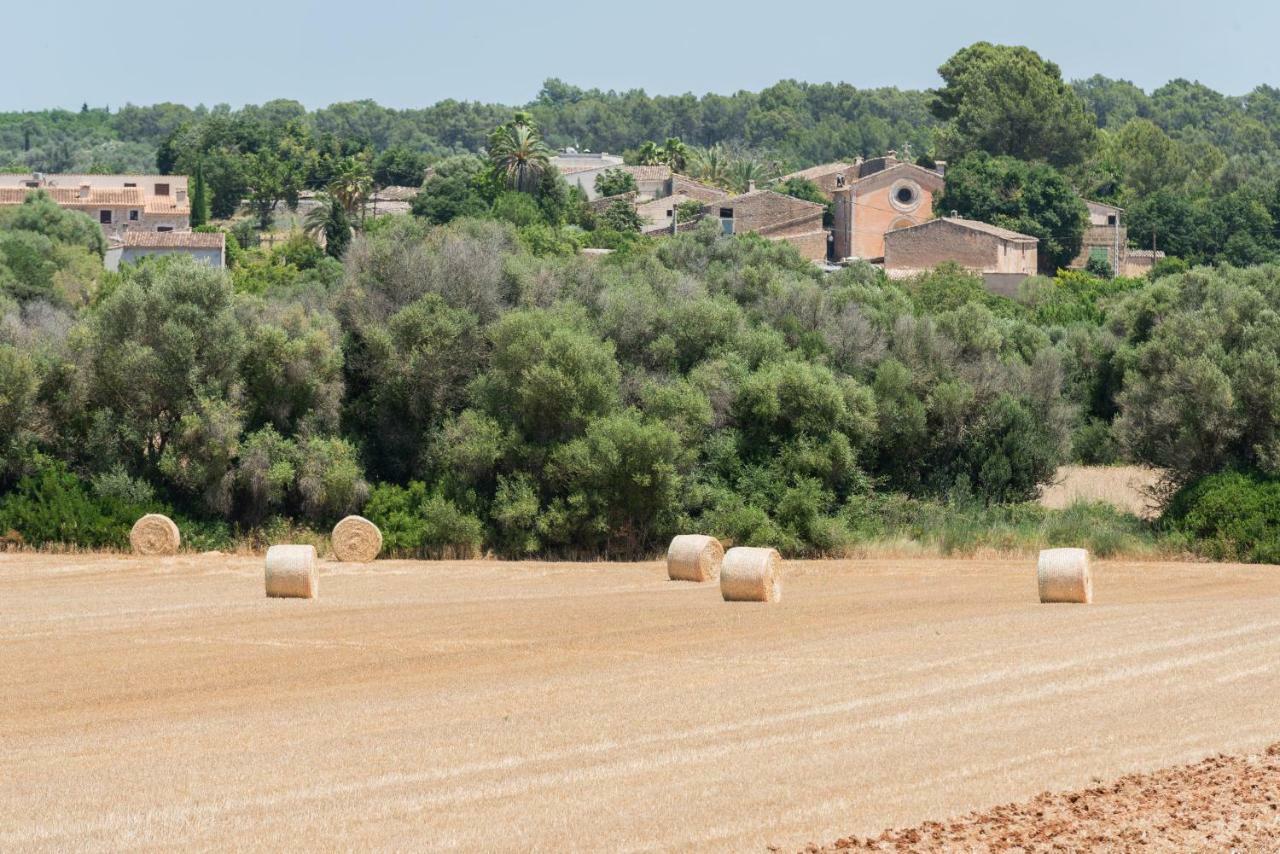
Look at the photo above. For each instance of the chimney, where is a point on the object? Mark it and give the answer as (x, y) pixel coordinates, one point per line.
(182, 195)
(940, 166)
(751, 186)
(84, 191)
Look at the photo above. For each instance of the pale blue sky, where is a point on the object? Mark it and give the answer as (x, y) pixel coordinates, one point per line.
(409, 54)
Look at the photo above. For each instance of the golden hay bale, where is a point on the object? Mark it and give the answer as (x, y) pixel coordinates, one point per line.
(751, 575)
(356, 540)
(1063, 575)
(154, 535)
(694, 557)
(291, 572)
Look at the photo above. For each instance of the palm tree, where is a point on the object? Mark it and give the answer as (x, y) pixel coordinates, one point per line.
(748, 170)
(519, 156)
(711, 165)
(328, 225)
(675, 154)
(351, 184)
(649, 154)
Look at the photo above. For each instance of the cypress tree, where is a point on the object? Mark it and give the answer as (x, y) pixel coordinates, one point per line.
(199, 198)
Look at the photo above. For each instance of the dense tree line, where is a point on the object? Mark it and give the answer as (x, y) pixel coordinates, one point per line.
(469, 380)
(471, 393)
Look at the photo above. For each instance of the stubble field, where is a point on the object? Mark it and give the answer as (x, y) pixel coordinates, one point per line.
(533, 706)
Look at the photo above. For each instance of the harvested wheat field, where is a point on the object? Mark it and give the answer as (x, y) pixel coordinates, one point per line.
(167, 702)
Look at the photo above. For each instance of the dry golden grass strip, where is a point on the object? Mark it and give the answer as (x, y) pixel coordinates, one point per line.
(356, 540)
(1063, 575)
(291, 572)
(1131, 489)
(751, 575)
(694, 557)
(155, 535)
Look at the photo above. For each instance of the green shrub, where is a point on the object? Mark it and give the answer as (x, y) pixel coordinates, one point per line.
(53, 506)
(1230, 516)
(417, 523)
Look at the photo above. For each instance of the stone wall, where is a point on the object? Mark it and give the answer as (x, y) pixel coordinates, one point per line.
(925, 247)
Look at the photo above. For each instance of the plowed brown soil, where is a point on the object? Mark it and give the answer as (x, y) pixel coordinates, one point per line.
(1223, 803)
(497, 706)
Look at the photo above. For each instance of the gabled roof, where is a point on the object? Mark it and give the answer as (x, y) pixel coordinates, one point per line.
(1103, 205)
(119, 197)
(167, 205)
(973, 225)
(818, 171)
(695, 189)
(926, 177)
(756, 193)
(647, 173)
(139, 239)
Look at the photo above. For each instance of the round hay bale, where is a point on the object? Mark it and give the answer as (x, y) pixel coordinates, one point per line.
(155, 535)
(751, 575)
(1063, 575)
(291, 572)
(694, 557)
(356, 540)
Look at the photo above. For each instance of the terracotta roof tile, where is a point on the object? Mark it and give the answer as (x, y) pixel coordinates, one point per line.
(119, 197)
(818, 171)
(987, 227)
(648, 173)
(140, 239)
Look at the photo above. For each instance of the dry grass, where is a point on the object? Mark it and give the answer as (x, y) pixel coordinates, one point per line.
(1127, 488)
(481, 706)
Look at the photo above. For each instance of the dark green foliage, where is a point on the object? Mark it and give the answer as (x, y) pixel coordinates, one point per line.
(615, 182)
(1026, 197)
(457, 187)
(1230, 516)
(621, 216)
(399, 166)
(1100, 268)
(52, 505)
(199, 198)
(417, 523)
(1202, 372)
(1008, 101)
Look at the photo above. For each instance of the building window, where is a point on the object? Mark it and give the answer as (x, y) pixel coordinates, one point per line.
(1099, 253)
(164, 228)
(905, 196)
(839, 181)
(1111, 219)
(669, 212)
(133, 216)
(162, 189)
(726, 213)
(33, 184)
(104, 217)
(130, 184)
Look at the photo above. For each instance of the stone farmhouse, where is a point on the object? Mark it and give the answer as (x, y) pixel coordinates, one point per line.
(1002, 257)
(776, 217)
(119, 203)
(209, 248)
(1107, 239)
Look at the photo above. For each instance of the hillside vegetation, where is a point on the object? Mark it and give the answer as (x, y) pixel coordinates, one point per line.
(470, 381)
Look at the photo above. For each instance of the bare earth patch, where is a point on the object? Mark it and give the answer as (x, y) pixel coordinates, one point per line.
(1223, 803)
(167, 704)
